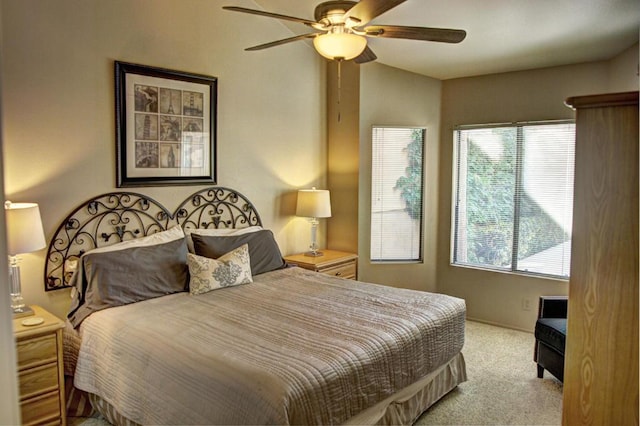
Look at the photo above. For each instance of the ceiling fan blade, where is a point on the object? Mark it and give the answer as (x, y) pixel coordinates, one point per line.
(444, 35)
(269, 14)
(283, 41)
(366, 56)
(366, 10)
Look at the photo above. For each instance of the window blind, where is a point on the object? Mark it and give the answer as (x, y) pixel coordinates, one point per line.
(513, 198)
(397, 193)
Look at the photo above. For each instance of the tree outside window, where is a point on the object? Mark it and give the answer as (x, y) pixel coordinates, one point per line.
(397, 193)
(514, 197)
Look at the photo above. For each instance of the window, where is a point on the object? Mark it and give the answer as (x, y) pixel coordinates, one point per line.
(396, 193)
(513, 197)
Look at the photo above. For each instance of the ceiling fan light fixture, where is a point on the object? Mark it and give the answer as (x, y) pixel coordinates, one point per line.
(336, 46)
(341, 29)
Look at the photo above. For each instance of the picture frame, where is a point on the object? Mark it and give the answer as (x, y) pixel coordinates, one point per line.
(165, 126)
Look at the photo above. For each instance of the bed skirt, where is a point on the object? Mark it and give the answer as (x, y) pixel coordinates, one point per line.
(402, 408)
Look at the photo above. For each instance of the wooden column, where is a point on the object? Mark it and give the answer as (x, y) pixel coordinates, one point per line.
(601, 358)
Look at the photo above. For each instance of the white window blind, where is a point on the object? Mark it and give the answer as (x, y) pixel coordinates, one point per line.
(397, 193)
(513, 197)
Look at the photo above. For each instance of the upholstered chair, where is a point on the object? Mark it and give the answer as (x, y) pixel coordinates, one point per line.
(550, 333)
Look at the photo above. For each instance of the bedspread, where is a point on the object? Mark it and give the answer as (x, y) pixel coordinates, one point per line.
(293, 347)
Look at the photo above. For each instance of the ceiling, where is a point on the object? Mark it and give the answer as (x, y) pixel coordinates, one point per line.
(502, 35)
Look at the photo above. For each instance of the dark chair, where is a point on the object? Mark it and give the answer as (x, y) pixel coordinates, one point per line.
(551, 333)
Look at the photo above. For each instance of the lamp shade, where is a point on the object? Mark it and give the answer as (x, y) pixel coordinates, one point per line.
(313, 203)
(340, 45)
(24, 228)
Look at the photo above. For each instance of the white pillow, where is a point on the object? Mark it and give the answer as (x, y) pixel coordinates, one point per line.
(233, 268)
(162, 237)
(217, 232)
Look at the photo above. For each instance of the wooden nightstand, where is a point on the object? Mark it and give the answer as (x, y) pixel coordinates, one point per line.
(40, 369)
(336, 263)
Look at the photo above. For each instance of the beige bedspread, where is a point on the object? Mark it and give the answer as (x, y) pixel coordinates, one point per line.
(293, 347)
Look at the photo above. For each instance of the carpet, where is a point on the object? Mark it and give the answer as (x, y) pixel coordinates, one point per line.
(502, 386)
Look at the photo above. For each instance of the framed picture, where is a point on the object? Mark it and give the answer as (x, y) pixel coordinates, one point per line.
(165, 126)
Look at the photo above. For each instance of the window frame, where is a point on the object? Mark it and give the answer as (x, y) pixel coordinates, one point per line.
(421, 245)
(456, 165)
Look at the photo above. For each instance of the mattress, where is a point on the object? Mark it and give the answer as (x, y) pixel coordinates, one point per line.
(293, 347)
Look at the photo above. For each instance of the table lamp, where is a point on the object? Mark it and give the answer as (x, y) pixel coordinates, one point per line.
(24, 235)
(313, 203)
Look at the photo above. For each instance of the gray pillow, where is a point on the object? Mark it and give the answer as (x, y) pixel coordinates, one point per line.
(264, 252)
(116, 278)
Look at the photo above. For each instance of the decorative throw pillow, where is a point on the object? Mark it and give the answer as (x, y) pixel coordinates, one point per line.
(208, 274)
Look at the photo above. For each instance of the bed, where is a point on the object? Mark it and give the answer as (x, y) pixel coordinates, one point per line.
(193, 317)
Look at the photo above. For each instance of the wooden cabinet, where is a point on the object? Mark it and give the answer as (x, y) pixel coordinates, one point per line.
(40, 369)
(336, 263)
(601, 357)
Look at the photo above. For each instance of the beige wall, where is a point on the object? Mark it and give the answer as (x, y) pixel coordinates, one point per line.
(519, 96)
(392, 97)
(621, 75)
(58, 107)
(9, 411)
(343, 112)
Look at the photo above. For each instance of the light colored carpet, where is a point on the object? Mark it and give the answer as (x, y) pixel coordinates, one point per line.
(502, 387)
(87, 421)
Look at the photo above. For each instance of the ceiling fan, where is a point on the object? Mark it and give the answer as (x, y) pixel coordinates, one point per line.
(341, 29)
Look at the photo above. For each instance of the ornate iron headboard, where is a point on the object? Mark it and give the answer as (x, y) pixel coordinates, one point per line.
(118, 216)
(218, 208)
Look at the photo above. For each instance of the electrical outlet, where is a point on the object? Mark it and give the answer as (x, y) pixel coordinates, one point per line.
(526, 304)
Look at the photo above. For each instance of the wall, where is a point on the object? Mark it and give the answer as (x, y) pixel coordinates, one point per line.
(519, 96)
(393, 97)
(9, 411)
(621, 70)
(343, 115)
(58, 107)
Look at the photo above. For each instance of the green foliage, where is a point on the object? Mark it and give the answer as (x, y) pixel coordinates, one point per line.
(491, 184)
(535, 223)
(490, 202)
(410, 185)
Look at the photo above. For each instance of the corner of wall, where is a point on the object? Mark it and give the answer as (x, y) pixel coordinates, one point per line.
(343, 160)
(624, 70)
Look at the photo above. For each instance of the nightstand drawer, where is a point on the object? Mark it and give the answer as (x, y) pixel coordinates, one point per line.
(40, 369)
(332, 262)
(39, 350)
(38, 380)
(44, 409)
(342, 271)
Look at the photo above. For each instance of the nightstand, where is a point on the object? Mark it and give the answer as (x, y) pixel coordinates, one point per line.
(336, 263)
(40, 370)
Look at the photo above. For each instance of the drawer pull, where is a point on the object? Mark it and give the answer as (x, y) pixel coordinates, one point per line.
(338, 273)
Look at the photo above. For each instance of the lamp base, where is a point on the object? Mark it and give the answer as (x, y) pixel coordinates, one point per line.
(314, 253)
(25, 311)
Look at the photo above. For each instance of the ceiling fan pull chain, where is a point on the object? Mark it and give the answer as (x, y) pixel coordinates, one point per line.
(339, 85)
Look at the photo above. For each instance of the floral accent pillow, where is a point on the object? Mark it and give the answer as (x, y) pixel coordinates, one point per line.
(208, 274)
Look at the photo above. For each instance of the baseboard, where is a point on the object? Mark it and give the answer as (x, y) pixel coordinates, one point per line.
(497, 324)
